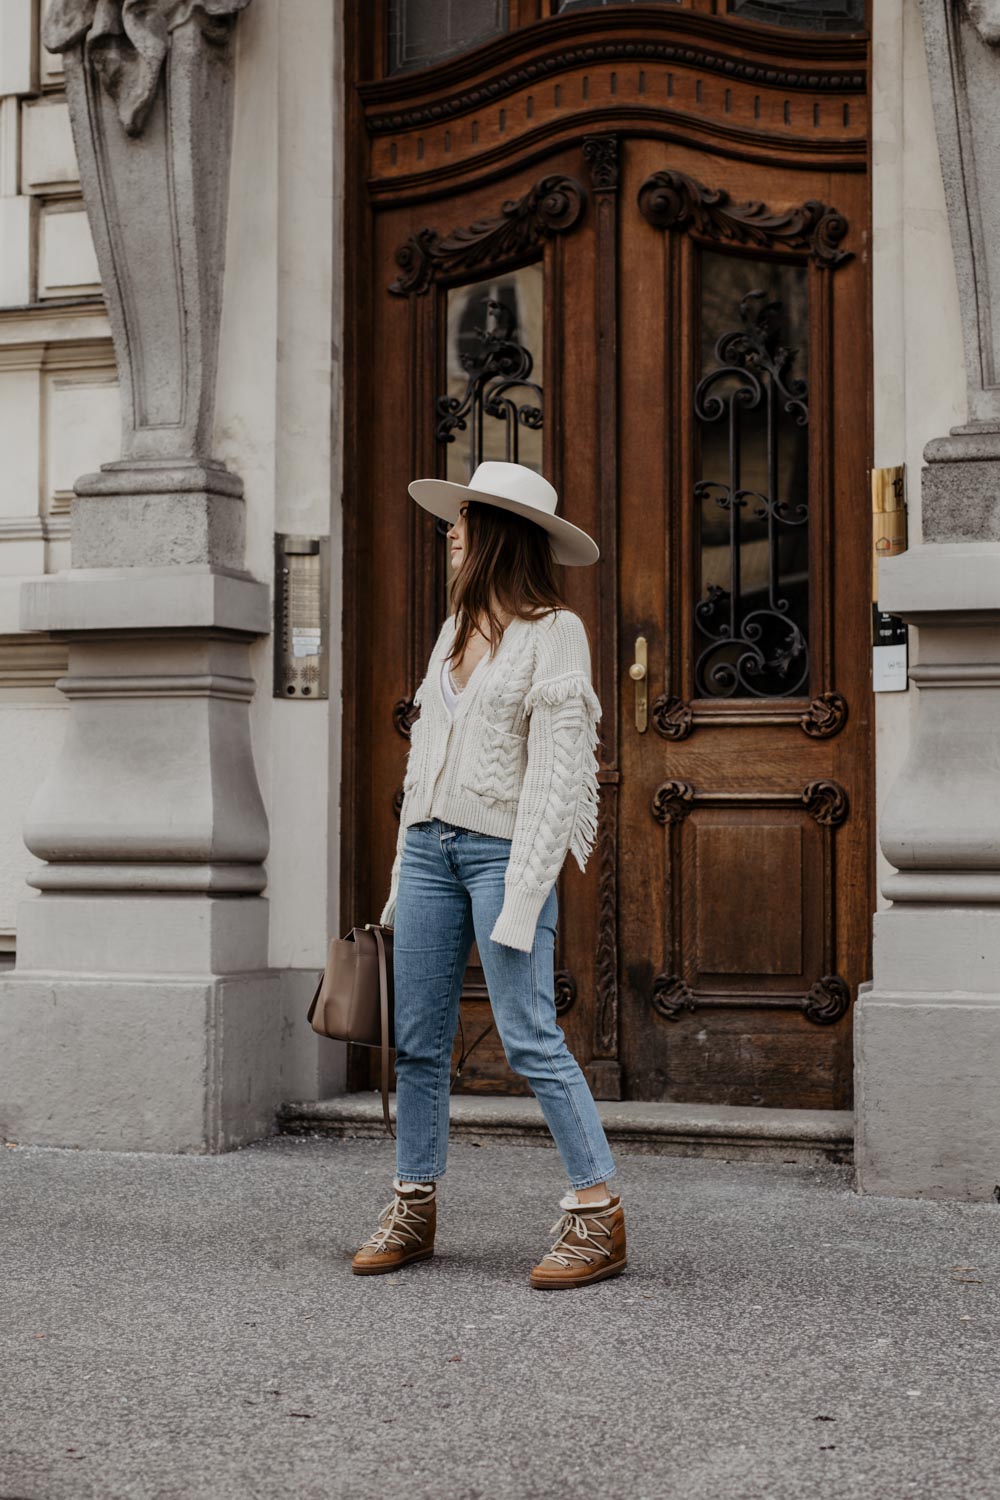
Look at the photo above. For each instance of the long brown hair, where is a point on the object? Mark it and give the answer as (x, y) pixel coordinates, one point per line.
(509, 567)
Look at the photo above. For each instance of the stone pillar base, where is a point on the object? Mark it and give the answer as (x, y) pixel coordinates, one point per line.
(145, 1064)
(926, 1042)
(142, 1015)
(127, 933)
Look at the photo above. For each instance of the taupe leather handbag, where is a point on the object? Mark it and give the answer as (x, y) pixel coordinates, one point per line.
(354, 999)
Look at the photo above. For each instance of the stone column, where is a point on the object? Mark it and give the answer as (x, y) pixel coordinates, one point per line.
(141, 1013)
(928, 1028)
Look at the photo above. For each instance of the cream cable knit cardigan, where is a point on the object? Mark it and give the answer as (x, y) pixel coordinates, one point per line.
(516, 760)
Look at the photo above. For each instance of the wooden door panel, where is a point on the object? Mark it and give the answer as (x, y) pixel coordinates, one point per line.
(750, 881)
(752, 909)
(747, 906)
(759, 1061)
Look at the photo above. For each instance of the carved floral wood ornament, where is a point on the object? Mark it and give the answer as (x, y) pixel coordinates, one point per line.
(126, 42)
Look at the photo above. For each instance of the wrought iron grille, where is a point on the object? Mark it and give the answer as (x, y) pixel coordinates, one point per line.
(753, 633)
(499, 388)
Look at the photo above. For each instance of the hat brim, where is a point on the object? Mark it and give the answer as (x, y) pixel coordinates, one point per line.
(571, 545)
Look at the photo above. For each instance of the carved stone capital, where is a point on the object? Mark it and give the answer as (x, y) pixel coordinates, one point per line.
(985, 17)
(125, 42)
(156, 194)
(964, 67)
(961, 483)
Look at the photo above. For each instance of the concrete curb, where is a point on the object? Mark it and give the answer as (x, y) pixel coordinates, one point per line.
(729, 1131)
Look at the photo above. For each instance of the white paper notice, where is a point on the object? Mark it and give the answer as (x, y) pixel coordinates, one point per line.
(305, 642)
(889, 654)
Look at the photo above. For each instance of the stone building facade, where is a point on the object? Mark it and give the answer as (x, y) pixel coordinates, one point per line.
(173, 326)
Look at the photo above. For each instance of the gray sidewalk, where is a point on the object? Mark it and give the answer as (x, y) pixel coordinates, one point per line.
(178, 1327)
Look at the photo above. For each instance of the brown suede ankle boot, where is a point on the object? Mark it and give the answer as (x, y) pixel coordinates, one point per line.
(589, 1246)
(405, 1233)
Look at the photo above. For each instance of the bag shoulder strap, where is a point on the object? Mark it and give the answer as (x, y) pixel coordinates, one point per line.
(383, 994)
(315, 998)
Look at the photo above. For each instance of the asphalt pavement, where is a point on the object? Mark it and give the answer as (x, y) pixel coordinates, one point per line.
(179, 1327)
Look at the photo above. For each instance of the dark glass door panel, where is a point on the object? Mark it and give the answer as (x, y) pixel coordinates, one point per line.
(752, 489)
(593, 4)
(423, 32)
(493, 405)
(803, 15)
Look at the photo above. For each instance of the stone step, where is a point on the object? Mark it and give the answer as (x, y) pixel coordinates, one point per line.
(729, 1131)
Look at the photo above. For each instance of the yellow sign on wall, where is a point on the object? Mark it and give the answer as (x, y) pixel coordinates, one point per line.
(890, 638)
(888, 517)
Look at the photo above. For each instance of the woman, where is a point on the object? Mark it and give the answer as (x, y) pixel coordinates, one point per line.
(500, 784)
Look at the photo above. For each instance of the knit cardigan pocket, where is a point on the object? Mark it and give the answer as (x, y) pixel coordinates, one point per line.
(500, 764)
(502, 755)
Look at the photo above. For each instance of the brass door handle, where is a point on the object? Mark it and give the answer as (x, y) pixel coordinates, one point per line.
(638, 673)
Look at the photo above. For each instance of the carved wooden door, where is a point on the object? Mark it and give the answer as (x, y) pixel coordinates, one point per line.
(626, 245)
(754, 769)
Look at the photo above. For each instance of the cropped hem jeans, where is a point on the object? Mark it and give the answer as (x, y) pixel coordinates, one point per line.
(451, 889)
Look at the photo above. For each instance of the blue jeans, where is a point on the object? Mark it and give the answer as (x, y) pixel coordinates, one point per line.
(451, 889)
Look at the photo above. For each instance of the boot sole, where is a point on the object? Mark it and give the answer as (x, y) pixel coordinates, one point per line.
(393, 1265)
(562, 1286)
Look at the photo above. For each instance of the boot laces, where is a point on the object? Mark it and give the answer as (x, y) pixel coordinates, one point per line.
(580, 1223)
(398, 1223)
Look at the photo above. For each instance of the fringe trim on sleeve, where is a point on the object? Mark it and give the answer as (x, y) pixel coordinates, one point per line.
(556, 690)
(584, 831)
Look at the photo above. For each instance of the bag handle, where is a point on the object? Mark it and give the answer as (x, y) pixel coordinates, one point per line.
(383, 988)
(315, 999)
(383, 995)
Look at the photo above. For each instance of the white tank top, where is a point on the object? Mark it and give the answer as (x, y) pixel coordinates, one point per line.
(449, 692)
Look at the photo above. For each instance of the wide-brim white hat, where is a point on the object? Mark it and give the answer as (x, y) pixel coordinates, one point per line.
(510, 487)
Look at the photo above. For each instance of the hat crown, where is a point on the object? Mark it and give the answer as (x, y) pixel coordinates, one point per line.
(515, 482)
